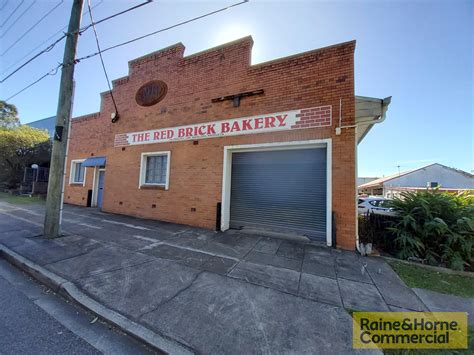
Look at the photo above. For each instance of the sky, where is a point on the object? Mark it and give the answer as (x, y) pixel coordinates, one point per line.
(418, 52)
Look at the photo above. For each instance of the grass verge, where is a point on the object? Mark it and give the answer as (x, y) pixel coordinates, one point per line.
(17, 199)
(420, 277)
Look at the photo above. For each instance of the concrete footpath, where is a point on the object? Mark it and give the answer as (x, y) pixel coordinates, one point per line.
(185, 290)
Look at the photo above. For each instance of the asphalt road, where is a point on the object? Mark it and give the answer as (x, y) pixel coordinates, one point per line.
(33, 320)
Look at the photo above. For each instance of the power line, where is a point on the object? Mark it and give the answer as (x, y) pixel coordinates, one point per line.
(31, 28)
(52, 72)
(92, 24)
(45, 41)
(100, 55)
(47, 49)
(13, 13)
(51, 46)
(162, 30)
(18, 18)
(127, 42)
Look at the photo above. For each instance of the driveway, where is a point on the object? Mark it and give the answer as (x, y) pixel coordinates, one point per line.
(212, 291)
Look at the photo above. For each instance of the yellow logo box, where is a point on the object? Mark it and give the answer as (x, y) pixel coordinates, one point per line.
(409, 330)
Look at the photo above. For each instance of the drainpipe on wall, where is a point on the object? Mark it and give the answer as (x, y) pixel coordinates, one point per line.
(356, 196)
(385, 102)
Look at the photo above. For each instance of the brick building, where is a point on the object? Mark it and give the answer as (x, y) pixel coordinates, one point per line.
(210, 140)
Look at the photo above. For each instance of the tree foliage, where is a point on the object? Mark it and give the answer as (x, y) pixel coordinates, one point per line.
(8, 115)
(19, 148)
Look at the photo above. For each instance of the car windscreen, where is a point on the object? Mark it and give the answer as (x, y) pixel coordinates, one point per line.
(385, 204)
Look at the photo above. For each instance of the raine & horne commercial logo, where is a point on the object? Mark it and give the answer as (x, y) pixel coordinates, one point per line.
(409, 330)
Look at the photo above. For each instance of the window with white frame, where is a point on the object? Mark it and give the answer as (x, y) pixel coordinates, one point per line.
(78, 172)
(154, 169)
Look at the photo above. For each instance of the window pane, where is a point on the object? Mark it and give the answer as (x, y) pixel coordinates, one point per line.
(155, 171)
(164, 163)
(78, 172)
(385, 204)
(149, 169)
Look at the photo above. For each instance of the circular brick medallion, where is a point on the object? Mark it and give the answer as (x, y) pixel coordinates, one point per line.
(151, 93)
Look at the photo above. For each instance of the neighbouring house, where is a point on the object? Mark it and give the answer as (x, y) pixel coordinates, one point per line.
(364, 180)
(35, 179)
(211, 140)
(45, 124)
(431, 176)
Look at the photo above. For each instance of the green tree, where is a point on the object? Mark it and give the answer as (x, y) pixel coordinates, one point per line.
(19, 148)
(8, 115)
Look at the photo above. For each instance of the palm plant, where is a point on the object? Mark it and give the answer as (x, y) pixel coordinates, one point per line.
(435, 226)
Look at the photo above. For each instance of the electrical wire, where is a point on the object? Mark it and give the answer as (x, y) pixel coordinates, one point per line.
(52, 72)
(162, 30)
(31, 28)
(45, 41)
(13, 13)
(51, 46)
(47, 49)
(111, 16)
(127, 42)
(100, 55)
(17, 19)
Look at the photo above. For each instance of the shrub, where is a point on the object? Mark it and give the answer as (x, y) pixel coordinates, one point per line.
(435, 226)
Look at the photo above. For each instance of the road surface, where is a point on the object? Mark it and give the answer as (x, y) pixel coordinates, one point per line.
(34, 320)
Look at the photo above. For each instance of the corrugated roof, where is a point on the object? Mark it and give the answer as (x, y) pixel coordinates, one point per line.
(45, 123)
(380, 181)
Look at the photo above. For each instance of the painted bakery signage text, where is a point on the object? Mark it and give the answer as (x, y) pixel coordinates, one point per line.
(281, 121)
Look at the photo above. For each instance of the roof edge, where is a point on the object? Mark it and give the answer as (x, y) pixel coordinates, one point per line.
(41, 119)
(302, 54)
(221, 46)
(391, 177)
(159, 51)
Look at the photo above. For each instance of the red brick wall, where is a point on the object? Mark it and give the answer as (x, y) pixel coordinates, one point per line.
(314, 117)
(312, 79)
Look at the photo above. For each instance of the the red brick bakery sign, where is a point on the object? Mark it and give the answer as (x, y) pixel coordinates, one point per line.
(281, 121)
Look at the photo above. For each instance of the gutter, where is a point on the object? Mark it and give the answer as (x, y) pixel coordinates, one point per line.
(384, 107)
(385, 103)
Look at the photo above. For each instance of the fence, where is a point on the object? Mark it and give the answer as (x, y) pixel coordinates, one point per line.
(373, 229)
(35, 181)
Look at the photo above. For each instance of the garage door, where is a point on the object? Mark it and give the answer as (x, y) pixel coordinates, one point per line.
(283, 191)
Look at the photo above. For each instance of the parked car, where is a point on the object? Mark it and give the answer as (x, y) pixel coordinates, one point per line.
(377, 205)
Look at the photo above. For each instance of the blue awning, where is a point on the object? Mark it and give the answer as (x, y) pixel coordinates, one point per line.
(95, 161)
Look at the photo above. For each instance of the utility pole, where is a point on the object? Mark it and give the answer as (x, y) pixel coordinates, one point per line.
(52, 221)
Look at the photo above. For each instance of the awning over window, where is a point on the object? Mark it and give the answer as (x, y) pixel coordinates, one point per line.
(95, 161)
